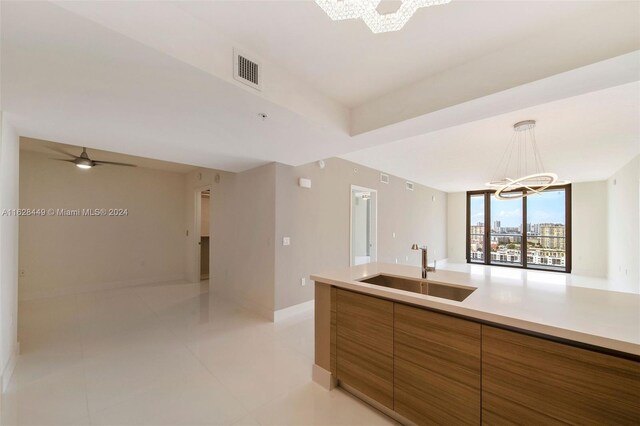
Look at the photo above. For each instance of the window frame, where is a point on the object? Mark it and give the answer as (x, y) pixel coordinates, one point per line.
(488, 193)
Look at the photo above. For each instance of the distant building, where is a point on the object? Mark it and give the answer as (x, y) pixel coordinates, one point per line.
(552, 236)
(534, 229)
(545, 244)
(550, 257)
(477, 241)
(477, 229)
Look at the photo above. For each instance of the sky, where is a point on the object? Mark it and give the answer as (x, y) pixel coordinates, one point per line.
(547, 207)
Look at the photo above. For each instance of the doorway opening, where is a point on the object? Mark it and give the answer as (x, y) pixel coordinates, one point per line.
(364, 225)
(204, 233)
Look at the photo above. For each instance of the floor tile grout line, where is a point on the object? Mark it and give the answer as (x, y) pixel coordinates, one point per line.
(249, 411)
(173, 309)
(108, 406)
(216, 378)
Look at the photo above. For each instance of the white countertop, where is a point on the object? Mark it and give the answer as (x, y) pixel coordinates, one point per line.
(602, 318)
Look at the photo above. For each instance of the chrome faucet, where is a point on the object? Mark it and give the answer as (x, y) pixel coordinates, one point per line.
(425, 262)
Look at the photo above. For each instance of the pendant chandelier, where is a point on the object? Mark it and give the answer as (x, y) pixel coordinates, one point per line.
(339, 10)
(521, 171)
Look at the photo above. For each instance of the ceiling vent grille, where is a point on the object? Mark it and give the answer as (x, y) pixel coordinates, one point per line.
(247, 70)
(384, 178)
(410, 186)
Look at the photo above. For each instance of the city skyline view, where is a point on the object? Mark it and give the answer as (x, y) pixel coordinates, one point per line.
(547, 207)
(503, 238)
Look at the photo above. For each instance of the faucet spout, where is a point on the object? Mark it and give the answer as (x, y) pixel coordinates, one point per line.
(425, 261)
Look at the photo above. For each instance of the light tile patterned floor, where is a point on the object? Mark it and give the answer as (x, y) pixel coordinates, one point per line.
(168, 354)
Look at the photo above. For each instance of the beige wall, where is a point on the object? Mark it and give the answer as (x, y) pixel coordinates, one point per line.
(250, 213)
(624, 226)
(9, 189)
(242, 221)
(249, 240)
(195, 182)
(589, 228)
(317, 221)
(204, 216)
(456, 227)
(69, 254)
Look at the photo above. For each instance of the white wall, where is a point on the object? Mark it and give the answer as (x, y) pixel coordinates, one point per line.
(589, 228)
(63, 255)
(9, 178)
(624, 228)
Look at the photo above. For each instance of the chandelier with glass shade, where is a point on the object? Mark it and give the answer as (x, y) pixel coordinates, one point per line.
(521, 172)
(367, 10)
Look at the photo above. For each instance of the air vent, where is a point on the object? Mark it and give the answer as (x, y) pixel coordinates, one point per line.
(384, 178)
(409, 186)
(246, 70)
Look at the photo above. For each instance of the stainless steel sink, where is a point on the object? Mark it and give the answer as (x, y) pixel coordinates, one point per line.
(449, 291)
(423, 287)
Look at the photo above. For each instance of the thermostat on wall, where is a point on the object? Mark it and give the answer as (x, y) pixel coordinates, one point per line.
(304, 183)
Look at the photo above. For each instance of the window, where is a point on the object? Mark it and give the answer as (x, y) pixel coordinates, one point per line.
(531, 232)
(476, 229)
(506, 232)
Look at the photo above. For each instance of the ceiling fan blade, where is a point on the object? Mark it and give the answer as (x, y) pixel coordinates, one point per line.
(62, 159)
(113, 163)
(60, 151)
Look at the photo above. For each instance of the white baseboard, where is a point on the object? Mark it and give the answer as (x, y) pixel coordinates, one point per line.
(291, 311)
(11, 366)
(246, 303)
(323, 377)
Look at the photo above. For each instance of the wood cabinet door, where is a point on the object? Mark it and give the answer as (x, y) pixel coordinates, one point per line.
(364, 344)
(437, 367)
(529, 380)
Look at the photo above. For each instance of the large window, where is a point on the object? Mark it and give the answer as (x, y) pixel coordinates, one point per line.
(476, 228)
(530, 232)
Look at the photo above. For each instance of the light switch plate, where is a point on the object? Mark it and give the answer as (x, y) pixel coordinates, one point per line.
(304, 183)
(286, 241)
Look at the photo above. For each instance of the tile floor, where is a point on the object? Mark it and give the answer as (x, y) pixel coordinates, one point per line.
(167, 354)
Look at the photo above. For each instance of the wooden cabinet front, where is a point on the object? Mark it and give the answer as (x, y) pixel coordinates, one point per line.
(437, 367)
(364, 344)
(529, 380)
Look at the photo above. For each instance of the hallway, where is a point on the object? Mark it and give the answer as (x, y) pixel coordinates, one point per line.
(167, 354)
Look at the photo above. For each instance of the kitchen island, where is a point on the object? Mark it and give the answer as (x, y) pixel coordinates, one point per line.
(470, 348)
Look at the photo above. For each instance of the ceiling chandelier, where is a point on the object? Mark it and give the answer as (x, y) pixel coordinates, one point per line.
(522, 158)
(367, 10)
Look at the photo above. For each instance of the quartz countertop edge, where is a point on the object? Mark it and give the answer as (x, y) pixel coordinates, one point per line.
(594, 317)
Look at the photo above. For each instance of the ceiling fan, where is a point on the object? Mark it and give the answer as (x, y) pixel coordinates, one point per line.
(84, 162)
